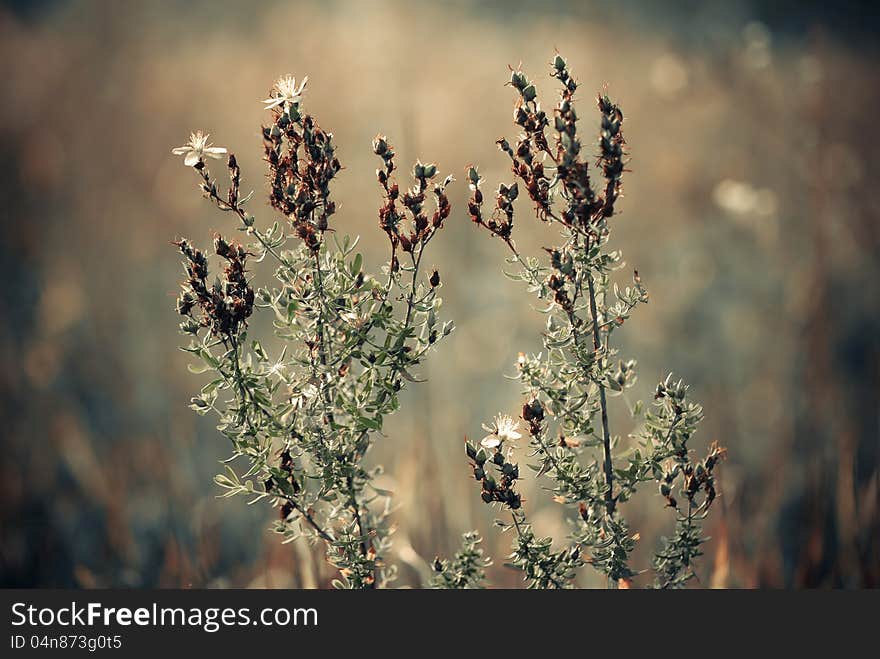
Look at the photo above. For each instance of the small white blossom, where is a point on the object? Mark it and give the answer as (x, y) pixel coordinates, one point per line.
(286, 92)
(302, 396)
(197, 148)
(504, 428)
(277, 369)
(354, 319)
(490, 441)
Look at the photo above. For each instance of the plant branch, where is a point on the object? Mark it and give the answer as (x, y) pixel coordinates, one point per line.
(606, 435)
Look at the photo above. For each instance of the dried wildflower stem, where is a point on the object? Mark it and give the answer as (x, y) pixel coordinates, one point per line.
(571, 382)
(306, 420)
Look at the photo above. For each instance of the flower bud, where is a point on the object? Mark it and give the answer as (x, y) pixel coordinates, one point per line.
(473, 176)
(537, 409)
(185, 303)
(221, 247)
(583, 511)
(405, 243)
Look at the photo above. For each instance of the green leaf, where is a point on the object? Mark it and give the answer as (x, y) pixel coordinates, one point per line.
(371, 424)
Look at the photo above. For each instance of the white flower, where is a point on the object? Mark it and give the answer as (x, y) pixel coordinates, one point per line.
(197, 148)
(353, 319)
(504, 428)
(302, 395)
(286, 92)
(490, 441)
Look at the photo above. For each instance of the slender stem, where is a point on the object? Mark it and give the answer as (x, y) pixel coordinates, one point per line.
(416, 261)
(560, 475)
(690, 518)
(355, 506)
(606, 435)
(609, 323)
(324, 349)
(516, 523)
(238, 210)
(311, 520)
(535, 274)
(410, 305)
(239, 379)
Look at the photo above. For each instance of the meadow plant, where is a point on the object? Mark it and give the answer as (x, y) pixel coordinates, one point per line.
(304, 416)
(569, 385)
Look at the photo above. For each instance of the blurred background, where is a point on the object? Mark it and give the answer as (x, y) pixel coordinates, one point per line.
(751, 213)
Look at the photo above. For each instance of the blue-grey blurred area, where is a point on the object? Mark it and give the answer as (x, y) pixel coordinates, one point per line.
(751, 212)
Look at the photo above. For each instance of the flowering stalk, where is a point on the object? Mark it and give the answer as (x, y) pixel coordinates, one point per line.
(569, 385)
(305, 417)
